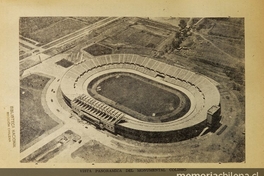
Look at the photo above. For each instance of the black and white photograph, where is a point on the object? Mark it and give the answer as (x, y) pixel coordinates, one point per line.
(131, 89)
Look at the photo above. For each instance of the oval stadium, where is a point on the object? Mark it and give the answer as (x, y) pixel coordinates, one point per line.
(141, 98)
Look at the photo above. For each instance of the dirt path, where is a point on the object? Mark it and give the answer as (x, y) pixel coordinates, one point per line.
(214, 45)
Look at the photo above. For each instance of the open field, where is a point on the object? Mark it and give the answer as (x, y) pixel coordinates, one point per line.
(213, 55)
(225, 33)
(138, 95)
(89, 20)
(33, 120)
(152, 23)
(24, 56)
(234, 47)
(25, 46)
(27, 40)
(86, 37)
(56, 30)
(34, 81)
(52, 148)
(97, 50)
(29, 25)
(134, 50)
(112, 27)
(64, 63)
(21, 52)
(216, 51)
(133, 36)
(218, 42)
(50, 29)
(231, 28)
(95, 152)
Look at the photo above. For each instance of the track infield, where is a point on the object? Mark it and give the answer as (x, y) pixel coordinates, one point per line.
(145, 99)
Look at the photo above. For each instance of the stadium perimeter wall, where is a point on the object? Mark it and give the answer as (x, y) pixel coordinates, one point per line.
(170, 133)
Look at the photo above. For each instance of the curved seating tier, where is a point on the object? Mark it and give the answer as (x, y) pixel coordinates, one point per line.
(205, 93)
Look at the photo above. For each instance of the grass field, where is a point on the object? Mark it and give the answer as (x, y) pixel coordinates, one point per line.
(135, 50)
(49, 30)
(139, 95)
(89, 20)
(225, 33)
(94, 151)
(234, 47)
(231, 28)
(34, 81)
(97, 50)
(28, 25)
(33, 119)
(52, 148)
(213, 54)
(64, 63)
(143, 96)
(152, 23)
(136, 37)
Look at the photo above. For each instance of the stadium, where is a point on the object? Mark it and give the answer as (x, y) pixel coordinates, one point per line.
(141, 98)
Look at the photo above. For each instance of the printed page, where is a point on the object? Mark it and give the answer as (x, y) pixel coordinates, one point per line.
(131, 84)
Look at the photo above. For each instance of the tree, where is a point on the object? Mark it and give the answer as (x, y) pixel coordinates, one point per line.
(177, 34)
(176, 43)
(182, 24)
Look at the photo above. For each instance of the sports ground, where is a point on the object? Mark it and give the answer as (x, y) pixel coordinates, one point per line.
(139, 96)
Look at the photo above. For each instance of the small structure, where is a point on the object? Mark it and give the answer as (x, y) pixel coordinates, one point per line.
(213, 116)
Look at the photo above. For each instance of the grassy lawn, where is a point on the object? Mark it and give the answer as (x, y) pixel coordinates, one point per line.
(33, 120)
(64, 63)
(89, 20)
(94, 151)
(52, 148)
(139, 95)
(133, 36)
(28, 25)
(97, 50)
(48, 29)
(142, 98)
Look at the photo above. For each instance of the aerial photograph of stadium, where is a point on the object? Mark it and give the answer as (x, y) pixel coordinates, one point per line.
(132, 89)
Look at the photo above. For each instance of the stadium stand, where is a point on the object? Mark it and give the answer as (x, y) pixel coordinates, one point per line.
(202, 93)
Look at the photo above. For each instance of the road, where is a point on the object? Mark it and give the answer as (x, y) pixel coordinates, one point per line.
(198, 21)
(66, 39)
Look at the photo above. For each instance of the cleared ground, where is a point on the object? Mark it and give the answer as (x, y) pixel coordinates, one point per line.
(64, 63)
(29, 25)
(45, 30)
(89, 20)
(137, 36)
(53, 148)
(97, 50)
(134, 36)
(33, 120)
(95, 152)
(154, 101)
